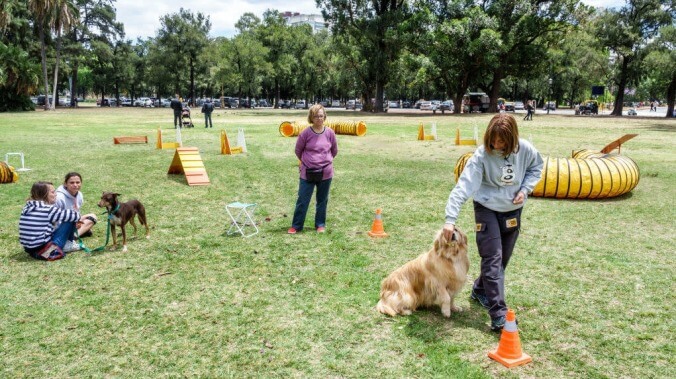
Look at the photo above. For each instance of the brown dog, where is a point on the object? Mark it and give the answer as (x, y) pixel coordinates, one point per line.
(121, 213)
(433, 278)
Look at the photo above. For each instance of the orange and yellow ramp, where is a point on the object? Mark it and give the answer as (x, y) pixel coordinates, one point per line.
(187, 160)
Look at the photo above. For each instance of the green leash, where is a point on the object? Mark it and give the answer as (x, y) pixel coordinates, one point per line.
(100, 248)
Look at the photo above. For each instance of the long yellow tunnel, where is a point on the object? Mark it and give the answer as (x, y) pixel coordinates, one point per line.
(353, 128)
(586, 175)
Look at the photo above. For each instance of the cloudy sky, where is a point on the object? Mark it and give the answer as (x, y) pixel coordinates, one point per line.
(142, 18)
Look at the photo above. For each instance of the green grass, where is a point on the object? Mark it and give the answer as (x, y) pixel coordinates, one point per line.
(591, 281)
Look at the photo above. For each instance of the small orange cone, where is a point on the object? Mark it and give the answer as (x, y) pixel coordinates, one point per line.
(377, 227)
(421, 132)
(509, 349)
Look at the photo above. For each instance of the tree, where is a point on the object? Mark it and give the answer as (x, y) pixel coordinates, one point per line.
(277, 37)
(64, 16)
(184, 34)
(19, 71)
(97, 22)
(461, 44)
(661, 69)
(19, 75)
(625, 33)
(371, 31)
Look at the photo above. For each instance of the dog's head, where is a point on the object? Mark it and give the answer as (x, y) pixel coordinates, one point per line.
(456, 247)
(108, 200)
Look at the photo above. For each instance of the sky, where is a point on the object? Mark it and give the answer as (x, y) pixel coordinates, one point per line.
(142, 18)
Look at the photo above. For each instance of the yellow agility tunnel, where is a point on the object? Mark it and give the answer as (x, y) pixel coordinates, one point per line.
(352, 128)
(586, 175)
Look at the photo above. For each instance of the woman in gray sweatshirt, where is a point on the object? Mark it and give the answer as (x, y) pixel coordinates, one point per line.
(68, 196)
(499, 176)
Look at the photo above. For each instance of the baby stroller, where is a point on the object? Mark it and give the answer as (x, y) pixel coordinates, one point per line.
(186, 120)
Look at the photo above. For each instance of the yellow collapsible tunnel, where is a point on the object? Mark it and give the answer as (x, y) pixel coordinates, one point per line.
(8, 174)
(353, 128)
(586, 175)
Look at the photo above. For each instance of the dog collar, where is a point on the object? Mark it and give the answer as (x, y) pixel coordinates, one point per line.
(110, 214)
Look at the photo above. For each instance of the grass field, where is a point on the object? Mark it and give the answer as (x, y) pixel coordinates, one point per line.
(592, 282)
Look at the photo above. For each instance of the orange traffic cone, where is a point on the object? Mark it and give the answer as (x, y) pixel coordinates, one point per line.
(377, 227)
(421, 132)
(509, 349)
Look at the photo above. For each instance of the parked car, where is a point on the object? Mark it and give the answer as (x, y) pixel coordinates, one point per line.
(285, 104)
(518, 106)
(41, 100)
(101, 103)
(125, 102)
(164, 103)
(143, 102)
(406, 104)
(427, 106)
(246, 103)
(353, 104)
(335, 103)
(300, 104)
(632, 112)
(509, 106)
(394, 104)
(446, 106)
(550, 105)
(263, 103)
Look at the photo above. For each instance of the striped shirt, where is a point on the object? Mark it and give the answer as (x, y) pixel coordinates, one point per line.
(36, 224)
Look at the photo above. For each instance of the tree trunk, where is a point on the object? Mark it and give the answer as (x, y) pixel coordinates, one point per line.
(192, 82)
(495, 90)
(379, 97)
(56, 67)
(671, 95)
(619, 100)
(43, 53)
(73, 95)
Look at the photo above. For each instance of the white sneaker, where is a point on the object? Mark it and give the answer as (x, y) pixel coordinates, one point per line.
(71, 246)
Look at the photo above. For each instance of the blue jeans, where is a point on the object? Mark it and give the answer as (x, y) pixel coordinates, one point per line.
(207, 121)
(63, 233)
(305, 190)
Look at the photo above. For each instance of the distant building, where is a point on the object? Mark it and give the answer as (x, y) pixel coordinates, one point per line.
(316, 21)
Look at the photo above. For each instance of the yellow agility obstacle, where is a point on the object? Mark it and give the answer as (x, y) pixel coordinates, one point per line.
(586, 175)
(470, 142)
(187, 161)
(427, 137)
(352, 128)
(226, 149)
(168, 145)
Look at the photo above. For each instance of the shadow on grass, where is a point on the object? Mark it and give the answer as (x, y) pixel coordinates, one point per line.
(427, 324)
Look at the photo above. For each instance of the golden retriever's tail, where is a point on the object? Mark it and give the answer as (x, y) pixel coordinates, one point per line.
(384, 308)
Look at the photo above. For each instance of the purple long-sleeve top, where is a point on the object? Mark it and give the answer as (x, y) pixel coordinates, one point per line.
(317, 150)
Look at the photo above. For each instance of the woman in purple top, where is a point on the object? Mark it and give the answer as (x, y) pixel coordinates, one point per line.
(316, 147)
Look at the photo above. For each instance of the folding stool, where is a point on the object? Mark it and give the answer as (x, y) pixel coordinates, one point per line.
(241, 216)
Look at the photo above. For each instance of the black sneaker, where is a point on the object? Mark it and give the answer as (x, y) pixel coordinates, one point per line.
(479, 298)
(497, 323)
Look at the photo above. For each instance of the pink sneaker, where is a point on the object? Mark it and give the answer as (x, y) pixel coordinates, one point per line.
(321, 229)
(292, 231)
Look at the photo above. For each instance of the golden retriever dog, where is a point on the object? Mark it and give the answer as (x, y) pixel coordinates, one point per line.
(434, 278)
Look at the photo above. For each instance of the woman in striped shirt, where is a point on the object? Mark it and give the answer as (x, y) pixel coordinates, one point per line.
(36, 224)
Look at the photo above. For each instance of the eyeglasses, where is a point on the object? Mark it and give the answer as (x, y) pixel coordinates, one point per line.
(318, 116)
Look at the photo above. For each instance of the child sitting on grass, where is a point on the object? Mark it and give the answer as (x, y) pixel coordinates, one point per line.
(36, 224)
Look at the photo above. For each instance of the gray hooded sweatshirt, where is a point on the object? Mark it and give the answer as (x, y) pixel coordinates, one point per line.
(494, 181)
(65, 200)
